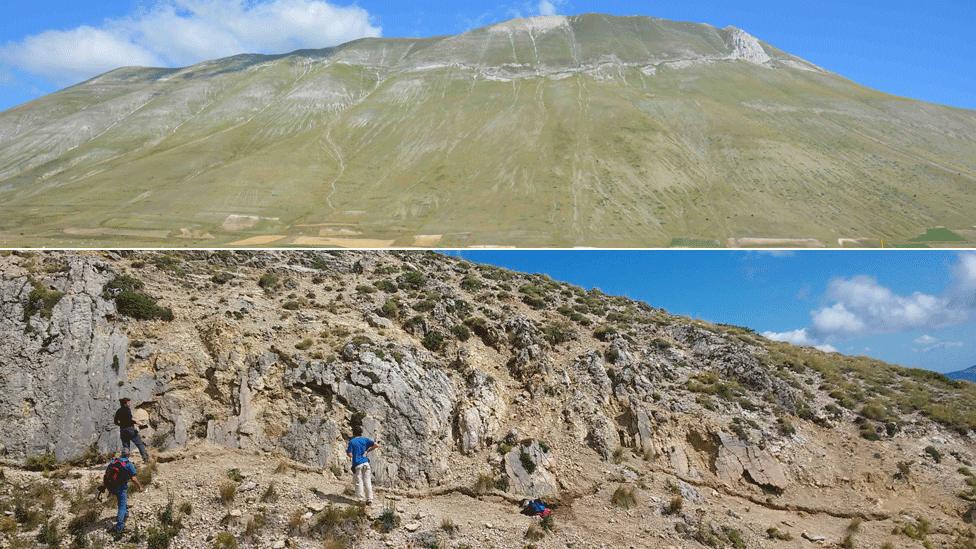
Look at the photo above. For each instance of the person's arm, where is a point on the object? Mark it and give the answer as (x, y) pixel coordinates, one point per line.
(349, 450)
(138, 485)
(372, 447)
(116, 420)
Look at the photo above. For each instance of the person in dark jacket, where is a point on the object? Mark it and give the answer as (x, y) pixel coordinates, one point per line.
(128, 429)
(116, 480)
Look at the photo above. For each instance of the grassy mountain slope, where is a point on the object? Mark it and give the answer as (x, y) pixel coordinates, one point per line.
(582, 131)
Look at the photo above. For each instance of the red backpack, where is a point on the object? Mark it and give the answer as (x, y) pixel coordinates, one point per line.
(116, 475)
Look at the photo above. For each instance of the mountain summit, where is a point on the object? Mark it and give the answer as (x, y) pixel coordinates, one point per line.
(551, 131)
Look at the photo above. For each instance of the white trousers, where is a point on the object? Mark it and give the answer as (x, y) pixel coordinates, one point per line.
(364, 481)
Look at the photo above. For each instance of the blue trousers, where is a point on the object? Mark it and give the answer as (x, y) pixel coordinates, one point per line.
(123, 496)
(130, 435)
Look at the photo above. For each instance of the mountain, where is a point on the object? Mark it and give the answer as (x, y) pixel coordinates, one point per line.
(552, 131)
(969, 374)
(482, 385)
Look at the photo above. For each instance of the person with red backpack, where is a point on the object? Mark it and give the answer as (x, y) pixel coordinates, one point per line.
(116, 479)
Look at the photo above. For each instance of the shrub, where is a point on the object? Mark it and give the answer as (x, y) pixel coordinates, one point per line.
(485, 484)
(471, 283)
(604, 333)
(221, 278)
(534, 533)
(424, 306)
(343, 525)
(775, 533)
(548, 523)
(304, 344)
(433, 340)
(388, 520)
(461, 332)
(412, 280)
(933, 453)
(674, 506)
(50, 534)
(41, 300)
(225, 540)
(624, 497)
(448, 526)
(296, 522)
(559, 332)
(140, 306)
(785, 427)
(122, 283)
(527, 463)
(390, 308)
(145, 474)
(481, 328)
(387, 286)
(227, 491)
(41, 462)
(255, 524)
(291, 305)
(270, 494)
(268, 281)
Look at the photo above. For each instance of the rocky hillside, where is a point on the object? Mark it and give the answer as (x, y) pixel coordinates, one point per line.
(553, 131)
(483, 386)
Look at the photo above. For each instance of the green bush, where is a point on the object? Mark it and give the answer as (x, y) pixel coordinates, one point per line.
(559, 332)
(471, 283)
(225, 540)
(527, 462)
(140, 306)
(604, 333)
(412, 280)
(390, 308)
(434, 340)
(461, 332)
(123, 282)
(41, 300)
(481, 329)
(221, 277)
(387, 286)
(268, 281)
(50, 533)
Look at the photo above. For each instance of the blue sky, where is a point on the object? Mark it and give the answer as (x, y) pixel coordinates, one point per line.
(915, 308)
(916, 49)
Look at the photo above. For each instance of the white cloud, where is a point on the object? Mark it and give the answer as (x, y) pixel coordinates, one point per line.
(863, 306)
(860, 306)
(799, 337)
(183, 32)
(929, 343)
(549, 7)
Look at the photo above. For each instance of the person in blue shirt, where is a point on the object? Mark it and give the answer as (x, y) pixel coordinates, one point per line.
(118, 473)
(357, 449)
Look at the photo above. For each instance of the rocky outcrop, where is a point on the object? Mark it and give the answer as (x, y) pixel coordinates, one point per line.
(527, 468)
(737, 460)
(63, 368)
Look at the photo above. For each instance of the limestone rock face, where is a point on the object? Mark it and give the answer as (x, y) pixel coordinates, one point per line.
(526, 466)
(403, 405)
(737, 460)
(62, 375)
(479, 416)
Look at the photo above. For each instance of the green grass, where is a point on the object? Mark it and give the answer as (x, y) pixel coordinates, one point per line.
(939, 234)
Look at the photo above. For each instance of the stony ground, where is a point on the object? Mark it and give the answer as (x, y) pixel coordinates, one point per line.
(482, 385)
